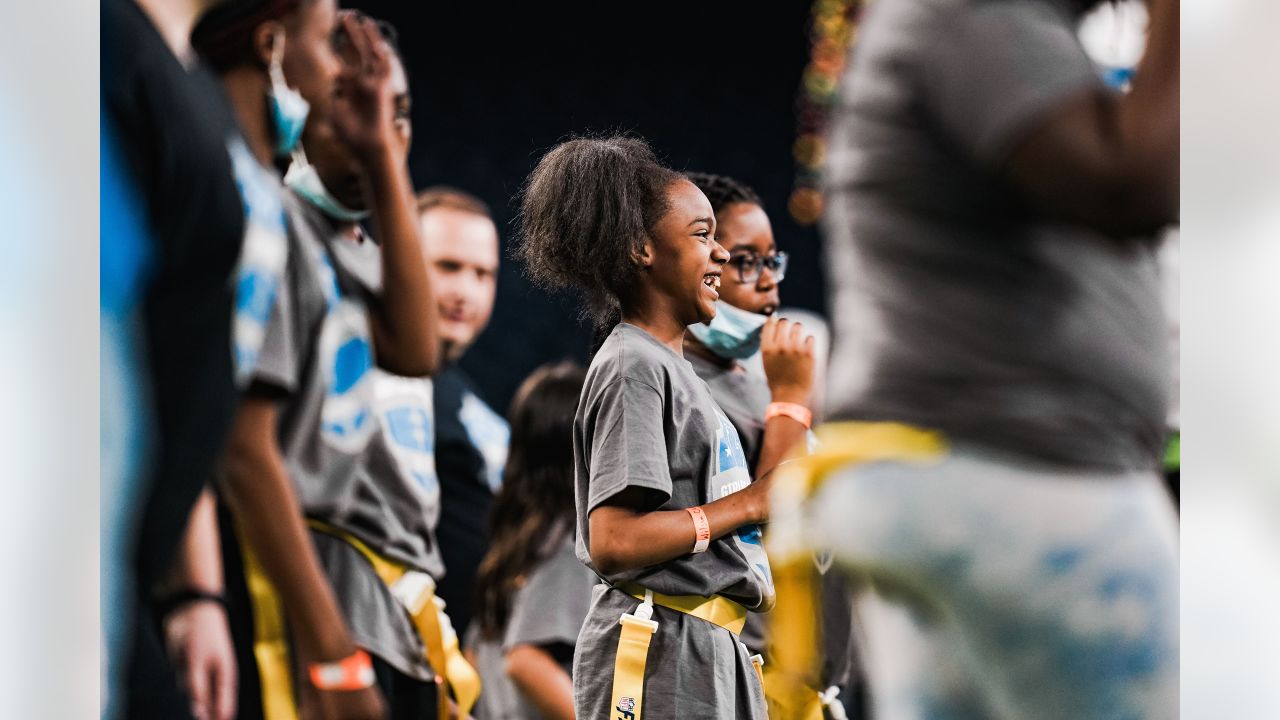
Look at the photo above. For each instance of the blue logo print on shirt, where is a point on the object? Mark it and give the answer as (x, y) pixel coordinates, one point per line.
(346, 351)
(728, 457)
(411, 429)
(352, 361)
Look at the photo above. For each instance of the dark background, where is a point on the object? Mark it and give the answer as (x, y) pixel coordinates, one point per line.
(711, 84)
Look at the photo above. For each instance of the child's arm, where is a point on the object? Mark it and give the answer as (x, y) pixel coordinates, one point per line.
(404, 321)
(257, 487)
(623, 538)
(541, 679)
(788, 364)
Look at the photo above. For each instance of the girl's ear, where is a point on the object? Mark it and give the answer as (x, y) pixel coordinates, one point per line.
(266, 36)
(644, 257)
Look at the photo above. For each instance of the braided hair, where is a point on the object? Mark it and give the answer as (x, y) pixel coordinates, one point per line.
(723, 190)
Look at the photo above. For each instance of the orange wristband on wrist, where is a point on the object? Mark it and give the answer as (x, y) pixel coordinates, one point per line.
(799, 413)
(354, 672)
(701, 529)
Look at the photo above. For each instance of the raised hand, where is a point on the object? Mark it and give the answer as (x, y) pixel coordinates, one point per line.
(363, 114)
(787, 353)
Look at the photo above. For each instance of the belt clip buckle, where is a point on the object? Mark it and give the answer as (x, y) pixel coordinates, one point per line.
(413, 590)
(643, 615)
(830, 700)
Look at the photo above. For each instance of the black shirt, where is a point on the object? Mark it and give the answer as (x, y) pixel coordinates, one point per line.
(173, 126)
(467, 484)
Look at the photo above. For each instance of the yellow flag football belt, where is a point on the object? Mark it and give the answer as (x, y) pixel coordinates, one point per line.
(795, 621)
(637, 631)
(416, 591)
(413, 589)
(270, 640)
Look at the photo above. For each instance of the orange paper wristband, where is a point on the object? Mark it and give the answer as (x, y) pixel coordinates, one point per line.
(799, 413)
(354, 672)
(701, 529)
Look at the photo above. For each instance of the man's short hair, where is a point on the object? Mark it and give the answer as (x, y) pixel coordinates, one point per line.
(443, 196)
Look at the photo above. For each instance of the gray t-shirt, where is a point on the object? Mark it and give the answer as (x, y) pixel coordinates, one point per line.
(742, 395)
(956, 304)
(546, 611)
(357, 442)
(645, 420)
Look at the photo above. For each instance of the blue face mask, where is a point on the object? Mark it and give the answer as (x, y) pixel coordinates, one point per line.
(305, 181)
(733, 333)
(288, 108)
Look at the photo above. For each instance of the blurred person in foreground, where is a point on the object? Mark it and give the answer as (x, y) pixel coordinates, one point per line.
(1000, 368)
(532, 594)
(259, 48)
(125, 259)
(370, 494)
(460, 241)
(191, 603)
(771, 409)
(168, 301)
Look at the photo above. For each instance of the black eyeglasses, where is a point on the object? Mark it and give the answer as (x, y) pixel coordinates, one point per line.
(749, 266)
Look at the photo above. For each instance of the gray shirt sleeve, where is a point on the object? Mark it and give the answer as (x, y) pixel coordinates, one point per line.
(628, 446)
(280, 360)
(553, 603)
(992, 69)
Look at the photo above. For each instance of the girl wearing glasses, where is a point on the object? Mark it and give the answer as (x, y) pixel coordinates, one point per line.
(743, 326)
(771, 411)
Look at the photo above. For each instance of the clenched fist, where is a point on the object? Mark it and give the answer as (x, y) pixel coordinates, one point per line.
(787, 352)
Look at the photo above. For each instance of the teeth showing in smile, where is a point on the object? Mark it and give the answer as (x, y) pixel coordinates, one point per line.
(712, 281)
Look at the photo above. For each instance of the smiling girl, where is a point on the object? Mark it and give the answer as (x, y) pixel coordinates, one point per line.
(666, 511)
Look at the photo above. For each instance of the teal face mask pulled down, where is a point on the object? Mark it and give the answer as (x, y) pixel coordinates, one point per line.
(733, 333)
(304, 180)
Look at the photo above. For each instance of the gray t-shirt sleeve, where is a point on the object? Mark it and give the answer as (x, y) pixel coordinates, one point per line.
(280, 360)
(553, 603)
(992, 69)
(628, 446)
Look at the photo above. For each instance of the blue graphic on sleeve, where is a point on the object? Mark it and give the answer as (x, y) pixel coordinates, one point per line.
(263, 255)
(254, 294)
